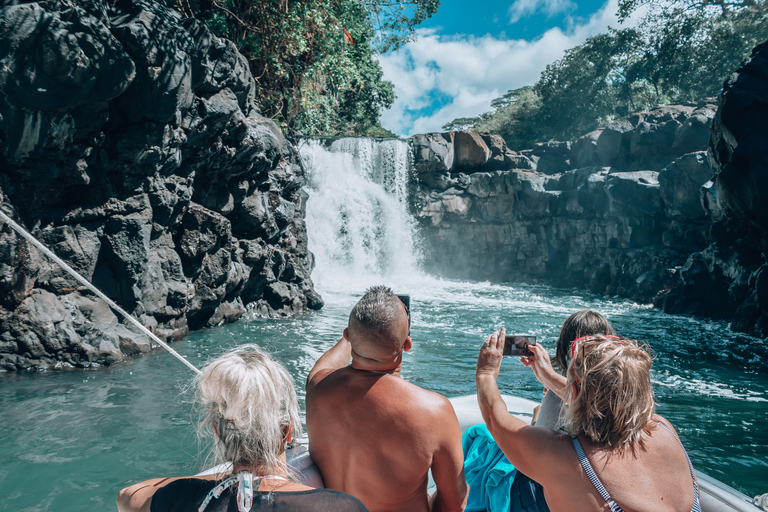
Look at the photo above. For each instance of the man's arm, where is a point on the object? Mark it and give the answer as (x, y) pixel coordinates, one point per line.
(337, 357)
(448, 466)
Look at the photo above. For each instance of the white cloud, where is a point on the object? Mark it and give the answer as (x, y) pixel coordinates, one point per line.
(469, 72)
(522, 8)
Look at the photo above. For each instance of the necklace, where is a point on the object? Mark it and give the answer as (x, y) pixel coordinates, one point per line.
(244, 481)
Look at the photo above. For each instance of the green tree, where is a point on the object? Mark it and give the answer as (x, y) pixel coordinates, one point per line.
(589, 86)
(682, 50)
(309, 77)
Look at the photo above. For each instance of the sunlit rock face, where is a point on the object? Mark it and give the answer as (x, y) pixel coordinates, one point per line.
(131, 145)
(618, 211)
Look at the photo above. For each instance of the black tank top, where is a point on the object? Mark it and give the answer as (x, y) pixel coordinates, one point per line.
(187, 494)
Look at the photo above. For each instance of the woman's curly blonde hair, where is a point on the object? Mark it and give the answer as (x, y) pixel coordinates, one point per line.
(610, 391)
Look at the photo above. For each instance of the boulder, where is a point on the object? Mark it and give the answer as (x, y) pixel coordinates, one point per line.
(584, 151)
(470, 150)
(432, 153)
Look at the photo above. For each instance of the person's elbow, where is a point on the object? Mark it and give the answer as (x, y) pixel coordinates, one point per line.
(459, 503)
(124, 500)
(134, 498)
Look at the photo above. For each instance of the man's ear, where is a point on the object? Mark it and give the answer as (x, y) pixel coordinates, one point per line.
(346, 333)
(407, 345)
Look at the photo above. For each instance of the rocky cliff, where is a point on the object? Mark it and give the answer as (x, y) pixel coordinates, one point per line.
(131, 145)
(618, 210)
(729, 278)
(667, 206)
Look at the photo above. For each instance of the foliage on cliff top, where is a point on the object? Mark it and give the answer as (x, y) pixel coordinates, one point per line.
(681, 51)
(310, 77)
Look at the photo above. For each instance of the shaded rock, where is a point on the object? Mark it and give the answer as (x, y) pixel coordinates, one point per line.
(130, 143)
(56, 60)
(681, 184)
(739, 142)
(553, 157)
(432, 153)
(584, 151)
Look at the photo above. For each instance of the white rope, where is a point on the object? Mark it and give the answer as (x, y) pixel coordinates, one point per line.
(20, 230)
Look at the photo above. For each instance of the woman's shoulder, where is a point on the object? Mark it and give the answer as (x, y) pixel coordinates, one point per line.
(178, 494)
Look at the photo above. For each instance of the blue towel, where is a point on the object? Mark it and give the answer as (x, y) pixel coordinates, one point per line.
(487, 471)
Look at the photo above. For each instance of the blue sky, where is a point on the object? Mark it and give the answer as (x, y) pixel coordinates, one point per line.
(470, 53)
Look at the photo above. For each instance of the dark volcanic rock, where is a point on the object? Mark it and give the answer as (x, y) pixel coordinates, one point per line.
(618, 211)
(729, 279)
(638, 208)
(130, 144)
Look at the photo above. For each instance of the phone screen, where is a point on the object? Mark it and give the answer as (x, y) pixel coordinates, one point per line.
(518, 345)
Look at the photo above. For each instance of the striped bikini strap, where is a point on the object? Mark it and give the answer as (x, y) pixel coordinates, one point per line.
(696, 504)
(593, 476)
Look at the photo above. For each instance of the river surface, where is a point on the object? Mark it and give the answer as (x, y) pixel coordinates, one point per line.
(70, 440)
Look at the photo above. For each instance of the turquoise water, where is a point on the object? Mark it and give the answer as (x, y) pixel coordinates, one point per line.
(69, 440)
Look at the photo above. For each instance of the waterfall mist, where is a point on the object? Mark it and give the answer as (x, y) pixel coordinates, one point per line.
(359, 227)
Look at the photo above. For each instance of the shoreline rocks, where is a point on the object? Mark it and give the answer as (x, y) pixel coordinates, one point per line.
(131, 145)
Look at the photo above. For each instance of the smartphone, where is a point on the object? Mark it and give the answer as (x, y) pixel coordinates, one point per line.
(406, 300)
(518, 345)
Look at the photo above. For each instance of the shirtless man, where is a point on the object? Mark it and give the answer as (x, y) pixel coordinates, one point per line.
(371, 433)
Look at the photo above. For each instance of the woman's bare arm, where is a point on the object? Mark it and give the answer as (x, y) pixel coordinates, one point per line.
(532, 450)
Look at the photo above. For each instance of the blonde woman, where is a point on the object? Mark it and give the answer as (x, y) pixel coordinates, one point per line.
(618, 453)
(580, 324)
(253, 413)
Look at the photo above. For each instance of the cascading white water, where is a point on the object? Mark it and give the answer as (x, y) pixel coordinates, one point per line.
(358, 223)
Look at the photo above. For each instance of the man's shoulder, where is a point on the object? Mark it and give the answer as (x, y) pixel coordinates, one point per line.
(431, 406)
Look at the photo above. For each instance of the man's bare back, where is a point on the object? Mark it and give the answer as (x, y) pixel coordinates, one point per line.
(375, 436)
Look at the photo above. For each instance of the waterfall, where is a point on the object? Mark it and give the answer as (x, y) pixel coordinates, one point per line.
(358, 223)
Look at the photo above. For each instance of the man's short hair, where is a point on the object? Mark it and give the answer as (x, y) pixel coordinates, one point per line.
(377, 312)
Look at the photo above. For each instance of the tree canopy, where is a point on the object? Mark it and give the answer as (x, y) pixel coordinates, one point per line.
(682, 50)
(314, 61)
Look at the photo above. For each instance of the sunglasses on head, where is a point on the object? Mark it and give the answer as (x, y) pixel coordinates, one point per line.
(573, 354)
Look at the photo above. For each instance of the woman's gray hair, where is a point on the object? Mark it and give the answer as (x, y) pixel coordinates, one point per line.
(250, 402)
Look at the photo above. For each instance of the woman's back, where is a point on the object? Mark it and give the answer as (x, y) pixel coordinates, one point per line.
(655, 477)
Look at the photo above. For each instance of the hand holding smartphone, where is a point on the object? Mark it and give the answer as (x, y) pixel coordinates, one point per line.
(517, 345)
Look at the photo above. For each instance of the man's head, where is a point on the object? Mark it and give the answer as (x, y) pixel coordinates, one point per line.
(378, 325)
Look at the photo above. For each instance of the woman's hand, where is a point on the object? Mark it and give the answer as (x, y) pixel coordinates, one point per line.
(489, 360)
(542, 368)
